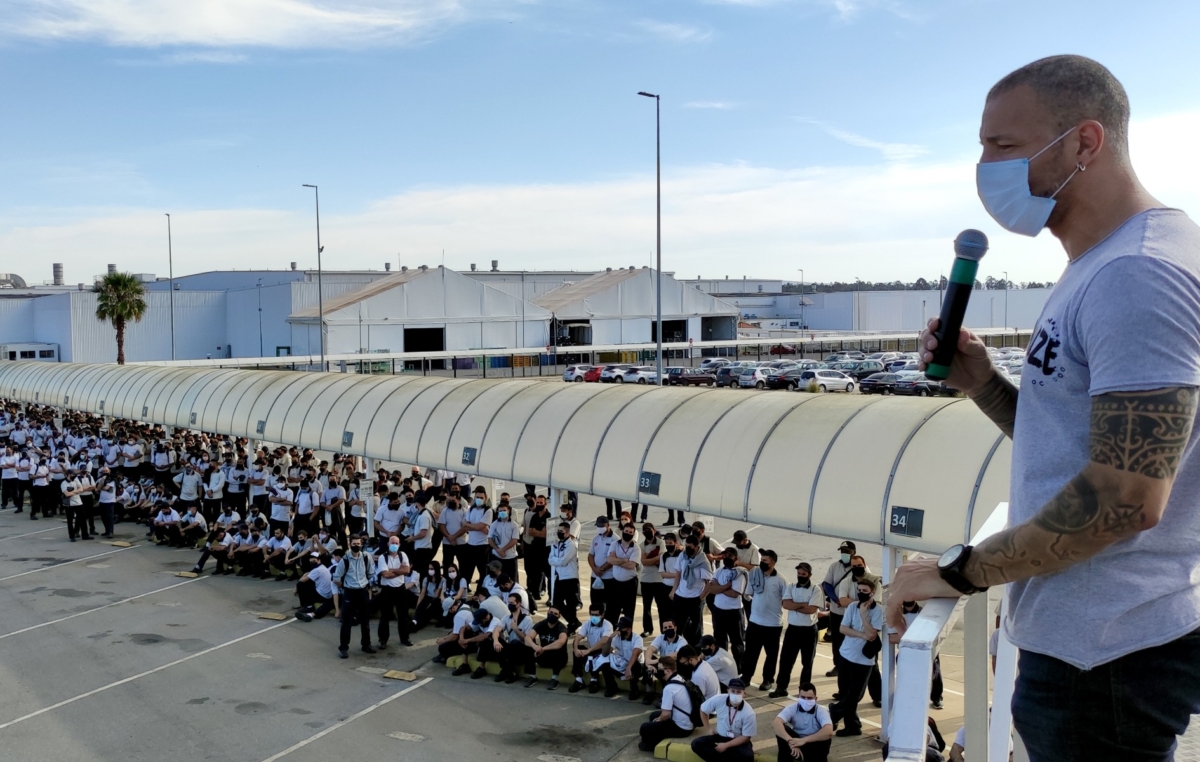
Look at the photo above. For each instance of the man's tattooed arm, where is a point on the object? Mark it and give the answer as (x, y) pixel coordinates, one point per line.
(1137, 441)
(998, 401)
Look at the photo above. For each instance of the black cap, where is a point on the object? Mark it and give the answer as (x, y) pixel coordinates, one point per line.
(847, 545)
(601, 521)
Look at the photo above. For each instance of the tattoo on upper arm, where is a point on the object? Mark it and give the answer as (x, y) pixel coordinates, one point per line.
(1143, 432)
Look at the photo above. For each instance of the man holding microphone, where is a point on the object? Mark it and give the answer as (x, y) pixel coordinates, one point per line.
(1100, 554)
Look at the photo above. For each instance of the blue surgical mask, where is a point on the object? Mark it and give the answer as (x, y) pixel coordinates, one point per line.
(394, 548)
(503, 515)
(478, 501)
(1004, 190)
(595, 620)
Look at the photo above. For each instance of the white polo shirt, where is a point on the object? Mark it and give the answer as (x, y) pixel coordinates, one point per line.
(732, 722)
(631, 553)
(810, 596)
(675, 699)
(725, 576)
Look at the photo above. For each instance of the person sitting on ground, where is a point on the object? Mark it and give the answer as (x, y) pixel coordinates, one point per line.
(460, 614)
(274, 554)
(804, 729)
(429, 599)
(666, 644)
(481, 628)
(507, 645)
(454, 591)
(315, 590)
(249, 554)
(588, 649)
(732, 739)
(166, 526)
(703, 675)
(720, 660)
(674, 718)
(295, 556)
(546, 646)
(217, 547)
(624, 660)
(192, 527)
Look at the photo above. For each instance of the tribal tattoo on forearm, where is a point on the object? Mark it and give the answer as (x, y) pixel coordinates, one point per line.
(1143, 434)
(998, 401)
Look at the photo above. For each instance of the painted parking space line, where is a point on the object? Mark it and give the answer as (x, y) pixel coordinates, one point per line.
(139, 675)
(99, 608)
(347, 721)
(29, 534)
(66, 563)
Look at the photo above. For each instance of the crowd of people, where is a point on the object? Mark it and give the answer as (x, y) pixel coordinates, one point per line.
(435, 549)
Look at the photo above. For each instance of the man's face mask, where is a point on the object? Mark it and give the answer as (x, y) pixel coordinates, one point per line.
(1004, 190)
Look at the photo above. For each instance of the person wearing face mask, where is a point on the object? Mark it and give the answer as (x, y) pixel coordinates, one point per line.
(502, 537)
(666, 644)
(249, 554)
(598, 553)
(429, 600)
(674, 718)
(721, 661)
(214, 493)
(418, 533)
(862, 626)
(450, 522)
(801, 601)
(804, 729)
(353, 579)
(693, 668)
(735, 725)
(455, 590)
(655, 594)
(838, 570)
(687, 598)
(766, 620)
(474, 555)
(563, 560)
(727, 586)
(624, 661)
(588, 649)
(546, 646)
(621, 591)
(481, 627)
(534, 533)
(841, 596)
(393, 572)
(506, 647)
(315, 590)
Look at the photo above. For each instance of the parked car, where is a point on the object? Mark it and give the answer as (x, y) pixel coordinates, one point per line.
(845, 355)
(612, 373)
(884, 357)
(827, 380)
(859, 369)
(783, 349)
(789, 379)
(689, 377)
(811, 365)
(593, 375)
(879, 383)
(727, 376)
(915, 384)
(576, 372)
(901, 366)
(756, 378)
(642, 374)
(712, 363)
(899, 363)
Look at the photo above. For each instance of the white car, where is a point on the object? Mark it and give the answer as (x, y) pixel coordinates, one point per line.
(712, 363)
(756, 378)
(613, 373)
(575, 372)
(644, 374)
(827, 380)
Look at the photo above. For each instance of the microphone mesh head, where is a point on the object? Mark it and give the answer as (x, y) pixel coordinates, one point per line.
(971, 244)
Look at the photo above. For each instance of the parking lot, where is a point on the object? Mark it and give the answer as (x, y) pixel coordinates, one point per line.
(106, 654)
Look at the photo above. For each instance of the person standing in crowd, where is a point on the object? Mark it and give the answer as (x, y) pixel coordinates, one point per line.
(106, 501)
(862, 626)
(838, 571)
(598, 553)
(621, 591)
(418, 533)
(801, 601)
(727, 588)
(732, 739)
(214, 493)
(534, 533)
(392, 572)
(502, 537)
(673, 719)
(766, 620)
(654, 593)
(688, 596)
(478, 523)
(8, 479)
(236, 478)
(454, 534)
(353, 582)
(563, 560)
(43, 499)
(72, 491)
(804, 729)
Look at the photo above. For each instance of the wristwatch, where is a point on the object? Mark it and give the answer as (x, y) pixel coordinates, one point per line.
(951, 565)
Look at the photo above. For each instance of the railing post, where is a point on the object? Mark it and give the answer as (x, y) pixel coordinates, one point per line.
(891, 561)
(976, 665)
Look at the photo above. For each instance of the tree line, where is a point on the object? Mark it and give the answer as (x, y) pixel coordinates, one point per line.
(920, 284)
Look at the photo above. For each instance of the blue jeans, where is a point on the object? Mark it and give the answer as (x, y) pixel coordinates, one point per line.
(1128, 710)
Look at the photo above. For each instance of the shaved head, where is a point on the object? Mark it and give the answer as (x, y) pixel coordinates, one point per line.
(1074, 89)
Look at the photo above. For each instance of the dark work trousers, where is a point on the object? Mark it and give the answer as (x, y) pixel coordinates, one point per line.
(89, 511)
(672, 521)
(393, 604)
(41, 498)
(272, 524)
(220, 554)
(704, 747)
(875, 682)
(611, 676)
(210, 509)
(507, 566)
(356, 524)
(621, 598)
(22, 489)
(815, 751)
(759, 638)
(653, 733)
(609, 506)
(236, 501)
(448, 555)
(106, 516)
(729, 630)
(356, 603)
(537, 567)
(8, 493)
(306, 591)
(936, 688)
(555, 661)
(1131, 708)
(169, 533)
(658, 594)
(797, 641)
(420, 558)
(689, 617)
(472, 559)
(304, 522)
(511, 657)
(852, 685)
(76, 522)
(598, 596)
(835, 629)
(452, 648)
(565, 599)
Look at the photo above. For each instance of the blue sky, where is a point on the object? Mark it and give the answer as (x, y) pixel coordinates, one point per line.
(834, 135)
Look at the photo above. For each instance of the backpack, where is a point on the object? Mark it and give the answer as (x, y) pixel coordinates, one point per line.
(697, 697)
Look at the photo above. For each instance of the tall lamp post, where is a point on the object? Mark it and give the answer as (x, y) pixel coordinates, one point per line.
(658, 226)
(258, 288)
(171, 276)
(320, 289)
(803, 324)
(1006, 300)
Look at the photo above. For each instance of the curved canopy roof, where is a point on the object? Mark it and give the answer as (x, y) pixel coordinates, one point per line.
(821, 463)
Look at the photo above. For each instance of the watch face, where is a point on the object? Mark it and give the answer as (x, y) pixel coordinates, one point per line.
(950, 557)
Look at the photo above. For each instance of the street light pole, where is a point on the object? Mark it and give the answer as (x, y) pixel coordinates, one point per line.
(658, 226)
(1006, 300)
(803, 324)
(320, 289)
(171, 277)
(258, 288)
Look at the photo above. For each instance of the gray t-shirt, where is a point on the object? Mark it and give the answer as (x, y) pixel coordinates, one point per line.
(1123, 317)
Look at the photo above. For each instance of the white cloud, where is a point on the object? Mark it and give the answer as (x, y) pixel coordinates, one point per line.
(890, 151)
(231, 23)
(718, 105)
(674, 32)
(879, 222)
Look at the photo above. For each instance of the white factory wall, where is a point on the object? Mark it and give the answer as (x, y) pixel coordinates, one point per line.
(241, 311)
(16, 321)
(899, 310)
(199, 328)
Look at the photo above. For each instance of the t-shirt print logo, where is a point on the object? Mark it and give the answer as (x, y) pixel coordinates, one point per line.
(1043, 353)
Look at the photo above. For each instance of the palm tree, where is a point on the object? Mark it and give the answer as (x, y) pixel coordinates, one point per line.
(121, 300)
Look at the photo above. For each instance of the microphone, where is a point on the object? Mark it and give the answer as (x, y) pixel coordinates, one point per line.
(969, 248)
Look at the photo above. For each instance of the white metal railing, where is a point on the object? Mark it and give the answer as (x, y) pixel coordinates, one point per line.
(906, 727)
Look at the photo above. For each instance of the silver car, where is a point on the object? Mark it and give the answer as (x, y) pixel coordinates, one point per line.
(827, 380)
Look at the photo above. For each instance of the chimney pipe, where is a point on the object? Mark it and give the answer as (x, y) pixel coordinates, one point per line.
(423, 268)
(403, 268)
(387, 267)
(472, 267)
(112, 269)
(58, 273)
(495, 265)
(293, 265)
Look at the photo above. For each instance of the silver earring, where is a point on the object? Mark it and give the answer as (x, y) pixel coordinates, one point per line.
(1080, 167)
